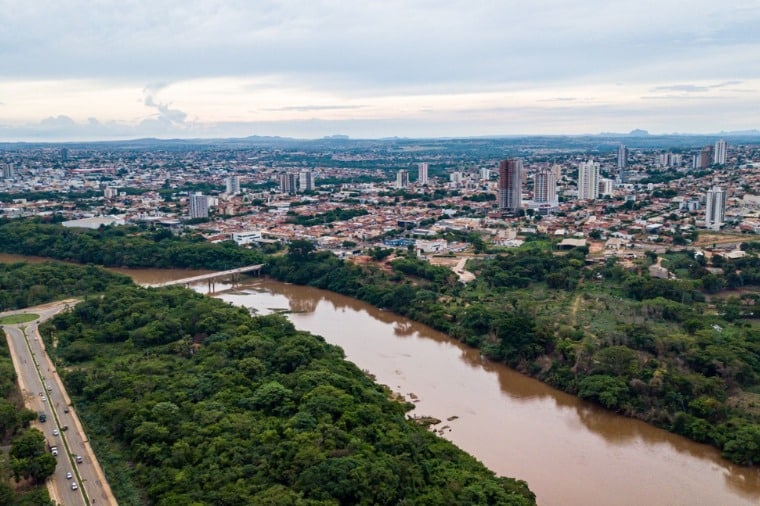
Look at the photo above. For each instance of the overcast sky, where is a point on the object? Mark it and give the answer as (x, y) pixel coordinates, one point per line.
(73, 70)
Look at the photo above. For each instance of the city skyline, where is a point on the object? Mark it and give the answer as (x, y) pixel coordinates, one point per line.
(173, 69)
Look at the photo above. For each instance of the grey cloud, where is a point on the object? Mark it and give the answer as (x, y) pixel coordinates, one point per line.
(688, 88)
(377, 44)
(679, 97)
(559, 99)
(306, 108)
(562, 119)
(61, 121)
(391, 48)
(724, 84)
(692, 88)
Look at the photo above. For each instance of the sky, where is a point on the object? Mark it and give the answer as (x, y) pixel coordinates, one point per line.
(102, 69)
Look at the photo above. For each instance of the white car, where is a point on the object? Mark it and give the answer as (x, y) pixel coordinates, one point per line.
(69, 475)
(44, 399)
(74, 485)
(55, 432)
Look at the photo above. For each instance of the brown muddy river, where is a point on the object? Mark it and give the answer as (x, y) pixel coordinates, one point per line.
(570, 452)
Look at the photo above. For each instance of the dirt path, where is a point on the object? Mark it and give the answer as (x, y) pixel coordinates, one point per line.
(574, 310)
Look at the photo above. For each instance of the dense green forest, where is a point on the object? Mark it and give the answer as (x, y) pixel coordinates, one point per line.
(121, 247)
(23, 285)
(26, 459)
(194, 401)
(645, 347)
(679, 353)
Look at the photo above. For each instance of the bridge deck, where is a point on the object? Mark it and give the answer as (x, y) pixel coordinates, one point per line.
(205, 277)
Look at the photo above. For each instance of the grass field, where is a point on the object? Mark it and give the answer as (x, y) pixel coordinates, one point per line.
(18, 318)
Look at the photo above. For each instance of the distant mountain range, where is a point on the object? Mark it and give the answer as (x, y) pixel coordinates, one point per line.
(643, 133)
(511, 145)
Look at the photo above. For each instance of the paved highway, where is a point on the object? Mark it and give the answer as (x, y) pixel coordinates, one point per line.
(43, 392)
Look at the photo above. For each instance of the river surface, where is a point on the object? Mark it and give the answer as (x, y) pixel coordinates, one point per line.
(570, 452)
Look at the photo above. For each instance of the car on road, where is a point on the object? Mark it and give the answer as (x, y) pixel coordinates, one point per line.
(74, 485)
(49, 387)
(55, 432)
(79, 459)
(66, 409)
(69, 475)
(54, 451)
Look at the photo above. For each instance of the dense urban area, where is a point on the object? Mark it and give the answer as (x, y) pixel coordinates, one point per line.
(621, 269)
(346, 196)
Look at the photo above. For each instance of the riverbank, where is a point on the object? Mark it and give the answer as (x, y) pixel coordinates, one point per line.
(637, 344)
(572, 453)
(515, 425)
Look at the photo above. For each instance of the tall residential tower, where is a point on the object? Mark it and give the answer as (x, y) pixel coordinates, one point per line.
(545, 187)
(510, 184)
(720, 153)
(715, 208)
(422, 174)
(588, 180)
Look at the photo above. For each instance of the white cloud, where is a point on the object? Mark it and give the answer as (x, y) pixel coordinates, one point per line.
(235, 62)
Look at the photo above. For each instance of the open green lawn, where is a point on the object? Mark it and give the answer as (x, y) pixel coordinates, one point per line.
(18, 318)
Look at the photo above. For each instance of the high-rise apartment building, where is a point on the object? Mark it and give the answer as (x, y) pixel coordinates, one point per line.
(557, 171)
(8, 171)
(288, 183)
(605, 186)
(510, 184)
(705, 158)
(456, 177)
(545, 187)
(720, 152)
(588, 180)
(422, 173)
(232, 185)
(402, 179)
(715, 208)
(668, 160)
(622, 157)
(305, 181)
(198, 206)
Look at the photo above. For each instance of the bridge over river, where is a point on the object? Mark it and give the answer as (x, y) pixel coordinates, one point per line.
(212, 277)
